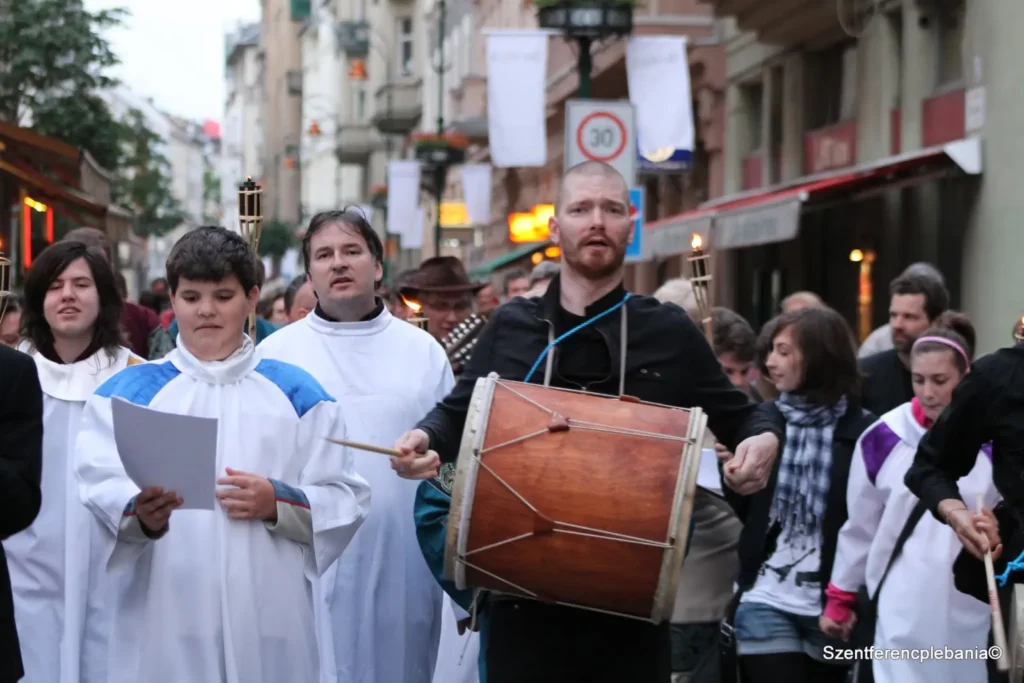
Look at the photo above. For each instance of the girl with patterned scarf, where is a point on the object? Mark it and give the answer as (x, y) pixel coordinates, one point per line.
(790, 528)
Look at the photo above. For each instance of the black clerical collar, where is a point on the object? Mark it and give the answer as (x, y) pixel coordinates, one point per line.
(50, 353)
(377, 310)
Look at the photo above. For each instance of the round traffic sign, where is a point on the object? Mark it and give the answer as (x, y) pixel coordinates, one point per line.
(601, 136)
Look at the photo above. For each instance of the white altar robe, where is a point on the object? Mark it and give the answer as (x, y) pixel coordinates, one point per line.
(919, 606)
(216, 600)
(62, 595)
(380, 606)
(458, 657)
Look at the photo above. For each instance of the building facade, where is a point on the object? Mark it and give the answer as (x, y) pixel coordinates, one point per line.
(858, 141)
(242, 130)
(183, 143)
(192, 153)
(280, 62)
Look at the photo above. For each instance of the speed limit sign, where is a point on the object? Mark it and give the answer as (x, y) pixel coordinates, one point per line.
(601, 130)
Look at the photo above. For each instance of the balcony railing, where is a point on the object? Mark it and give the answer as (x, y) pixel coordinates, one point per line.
(356, 142)
(354, 38)
(398, 106)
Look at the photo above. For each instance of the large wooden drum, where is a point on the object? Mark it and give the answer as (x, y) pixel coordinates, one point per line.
(573, 498)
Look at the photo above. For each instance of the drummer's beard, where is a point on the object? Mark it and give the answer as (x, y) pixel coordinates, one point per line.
(596, 262)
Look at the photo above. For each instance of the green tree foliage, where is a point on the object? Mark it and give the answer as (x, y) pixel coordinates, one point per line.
(144, 181)
(84, 121)
(276, 239)
(51, 50)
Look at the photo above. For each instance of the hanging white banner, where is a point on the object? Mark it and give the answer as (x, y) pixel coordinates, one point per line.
(517, 70)
(658, 73)
(404, 201)
(476, 192)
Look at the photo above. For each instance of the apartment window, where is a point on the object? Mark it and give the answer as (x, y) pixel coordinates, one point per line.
(831, 86)
(949, 41)
(405, 43)
(752, 95)
(361, 104)
(895, 20)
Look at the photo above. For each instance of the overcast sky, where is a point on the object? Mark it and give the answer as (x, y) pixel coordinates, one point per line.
(174, 51)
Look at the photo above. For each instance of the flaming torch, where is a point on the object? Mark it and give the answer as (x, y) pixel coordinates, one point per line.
(250, 225)
(417, 308)
(5, 282)
(701, 277)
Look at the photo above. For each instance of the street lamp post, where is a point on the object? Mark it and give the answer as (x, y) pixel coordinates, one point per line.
(440, 170)
(584, 21)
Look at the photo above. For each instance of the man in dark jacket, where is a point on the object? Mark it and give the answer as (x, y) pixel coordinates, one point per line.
(21, 455)
(665, 360)
(918, 297)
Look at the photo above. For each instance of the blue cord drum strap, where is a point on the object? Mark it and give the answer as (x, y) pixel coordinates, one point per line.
(1012, 566)
(573, 331)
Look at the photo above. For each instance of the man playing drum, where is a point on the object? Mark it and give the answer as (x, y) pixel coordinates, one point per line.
(666, 360)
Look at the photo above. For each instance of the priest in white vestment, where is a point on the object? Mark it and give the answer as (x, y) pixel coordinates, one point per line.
(222, 596)
(62, 595)
(380, 607)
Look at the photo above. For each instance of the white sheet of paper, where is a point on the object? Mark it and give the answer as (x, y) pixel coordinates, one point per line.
(175, 452)
(708, 476)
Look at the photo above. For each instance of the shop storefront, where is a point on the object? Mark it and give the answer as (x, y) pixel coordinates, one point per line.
(823, 233)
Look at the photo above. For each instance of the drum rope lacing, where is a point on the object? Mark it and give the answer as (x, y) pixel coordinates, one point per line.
(573, 529)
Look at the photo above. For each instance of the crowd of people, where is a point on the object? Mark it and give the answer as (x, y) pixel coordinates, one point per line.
(324, 563)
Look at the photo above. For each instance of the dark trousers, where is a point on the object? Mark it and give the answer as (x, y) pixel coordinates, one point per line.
(530, 642)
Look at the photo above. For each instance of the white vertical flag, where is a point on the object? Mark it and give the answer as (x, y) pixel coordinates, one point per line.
(476, 192)
(404, 201)
(517, 70)
(658, 73)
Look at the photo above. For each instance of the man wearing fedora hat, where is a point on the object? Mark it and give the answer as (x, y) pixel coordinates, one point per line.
(443, 288)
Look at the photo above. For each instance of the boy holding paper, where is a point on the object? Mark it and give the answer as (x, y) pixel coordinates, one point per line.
(222, 596)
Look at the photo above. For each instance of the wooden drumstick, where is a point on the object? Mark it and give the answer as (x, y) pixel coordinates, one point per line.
(998, 631)
(368, 447)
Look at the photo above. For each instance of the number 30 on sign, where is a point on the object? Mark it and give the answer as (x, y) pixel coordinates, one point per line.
(601, 130)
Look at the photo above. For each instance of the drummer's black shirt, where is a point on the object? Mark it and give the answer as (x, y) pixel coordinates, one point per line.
(583, 360)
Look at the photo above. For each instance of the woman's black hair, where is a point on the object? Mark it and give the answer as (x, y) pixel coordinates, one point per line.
(53, 261)
(829, 353)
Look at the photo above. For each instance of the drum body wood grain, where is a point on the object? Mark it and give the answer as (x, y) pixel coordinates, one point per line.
(573, 498)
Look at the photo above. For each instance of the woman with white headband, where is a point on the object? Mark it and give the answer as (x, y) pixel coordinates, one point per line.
(916, 603)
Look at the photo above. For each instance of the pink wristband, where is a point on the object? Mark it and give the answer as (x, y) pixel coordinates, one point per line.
(839, 604)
